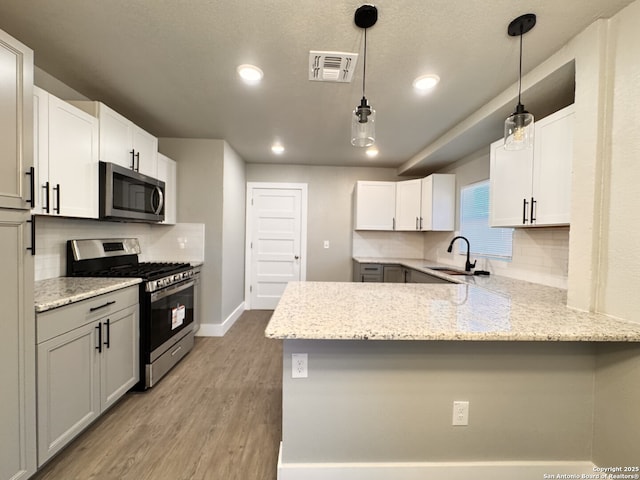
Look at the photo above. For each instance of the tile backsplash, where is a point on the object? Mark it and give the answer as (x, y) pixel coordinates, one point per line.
(540, 255)
(387, 244)
(183, 242)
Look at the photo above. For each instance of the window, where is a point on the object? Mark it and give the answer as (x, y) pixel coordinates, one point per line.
(474, 224)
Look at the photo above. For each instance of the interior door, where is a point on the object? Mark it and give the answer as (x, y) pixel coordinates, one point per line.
(276, 242)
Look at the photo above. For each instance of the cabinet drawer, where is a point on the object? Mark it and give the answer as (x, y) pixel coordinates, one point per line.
(55, 322)
(371, 269)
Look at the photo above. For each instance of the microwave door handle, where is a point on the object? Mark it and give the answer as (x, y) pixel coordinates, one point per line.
(157, 191)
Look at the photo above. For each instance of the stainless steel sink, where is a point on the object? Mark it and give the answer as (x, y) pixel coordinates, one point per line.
(448, 270)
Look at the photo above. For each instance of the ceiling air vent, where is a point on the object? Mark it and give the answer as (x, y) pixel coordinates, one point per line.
(332, 66)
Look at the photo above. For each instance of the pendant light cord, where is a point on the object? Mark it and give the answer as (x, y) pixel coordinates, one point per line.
(364, 70)
(520, 72)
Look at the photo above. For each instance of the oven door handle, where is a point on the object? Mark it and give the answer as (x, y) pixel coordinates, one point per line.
(165, 292)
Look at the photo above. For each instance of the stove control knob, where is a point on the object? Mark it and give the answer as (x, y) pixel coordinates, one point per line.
(159, 284)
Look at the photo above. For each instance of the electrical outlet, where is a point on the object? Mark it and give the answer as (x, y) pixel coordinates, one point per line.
(326, 244)
(460, 413)
(299, 363)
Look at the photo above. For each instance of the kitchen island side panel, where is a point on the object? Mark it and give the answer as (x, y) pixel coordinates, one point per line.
(391, 401)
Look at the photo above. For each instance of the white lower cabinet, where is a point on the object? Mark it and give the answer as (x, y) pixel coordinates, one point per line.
(84, 364)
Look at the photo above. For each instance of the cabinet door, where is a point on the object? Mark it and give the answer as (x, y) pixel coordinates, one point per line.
(375, 205)
(41, 151)
(438, 202)
(167, 173)
(393, 274)
(119, 360)
(146, 148)
(553, 152)
(414, 276)
(68, 388)
(17, 350)
(16, 122)
(408, 205)
(73, 160)
(510, 186)
(116, 138)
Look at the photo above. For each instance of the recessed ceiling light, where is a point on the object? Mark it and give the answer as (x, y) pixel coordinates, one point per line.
(425, 83)
(250, 74)
(372, 152)
(277, 148)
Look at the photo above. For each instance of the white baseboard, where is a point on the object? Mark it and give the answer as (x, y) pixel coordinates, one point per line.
(524, 470)
(219, 329)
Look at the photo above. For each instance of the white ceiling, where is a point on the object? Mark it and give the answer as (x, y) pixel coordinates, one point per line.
(170, 66)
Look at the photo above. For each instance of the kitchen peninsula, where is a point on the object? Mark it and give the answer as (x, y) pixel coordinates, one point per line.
(386, 362)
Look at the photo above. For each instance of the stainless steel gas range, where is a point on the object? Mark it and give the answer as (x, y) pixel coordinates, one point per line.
(166, 299)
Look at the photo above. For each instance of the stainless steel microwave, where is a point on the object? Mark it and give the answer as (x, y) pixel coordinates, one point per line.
(130, 196)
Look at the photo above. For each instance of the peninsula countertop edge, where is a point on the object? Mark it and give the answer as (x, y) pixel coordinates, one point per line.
(502, 309)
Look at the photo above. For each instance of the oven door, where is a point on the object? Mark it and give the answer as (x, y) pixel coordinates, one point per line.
(171, 316)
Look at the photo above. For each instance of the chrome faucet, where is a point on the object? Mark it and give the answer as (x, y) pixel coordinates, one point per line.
(468, 265)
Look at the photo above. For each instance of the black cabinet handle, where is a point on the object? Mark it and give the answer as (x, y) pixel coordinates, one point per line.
(46, 196)
(33, 234)
(32, 184)
(417, 223)
(99, 347)
(420, 223)
(524, 210)
(133, 159)
(56, 208)
(533, 203)
(108, 340)
(138, 164)
(394, 223)
(93, 309)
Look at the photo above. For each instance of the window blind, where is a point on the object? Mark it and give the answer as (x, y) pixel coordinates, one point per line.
(474, 224)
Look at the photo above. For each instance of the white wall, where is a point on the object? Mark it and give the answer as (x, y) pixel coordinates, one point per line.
(619, 281)
(211, 189)
(233, 231)
(330, 205)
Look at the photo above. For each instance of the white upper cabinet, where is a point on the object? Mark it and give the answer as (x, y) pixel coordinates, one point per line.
(16, 123)
(426, 204)
(167, 172)
(408, 201)
(121, 141)
(66, 146)
(438, 202)
(533, 187)
(422, 204)
(375, 205)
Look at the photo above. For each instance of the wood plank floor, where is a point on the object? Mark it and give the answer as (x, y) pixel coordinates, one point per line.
(215, 416)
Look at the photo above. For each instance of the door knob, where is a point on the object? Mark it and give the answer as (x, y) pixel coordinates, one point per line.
(296, 257)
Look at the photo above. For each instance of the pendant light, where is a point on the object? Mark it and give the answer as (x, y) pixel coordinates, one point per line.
(363, 117)
(518, 128)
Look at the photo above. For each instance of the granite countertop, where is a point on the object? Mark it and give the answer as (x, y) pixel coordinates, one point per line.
(472, 309)
(57, 292)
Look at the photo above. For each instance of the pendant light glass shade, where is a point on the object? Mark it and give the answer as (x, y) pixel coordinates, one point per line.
(363, 128)
(518, 130)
